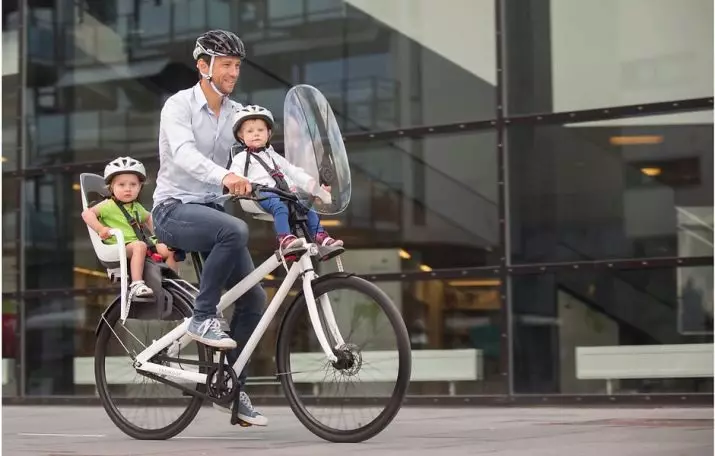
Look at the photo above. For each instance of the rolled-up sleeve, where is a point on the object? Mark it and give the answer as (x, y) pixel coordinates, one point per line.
(176, 124)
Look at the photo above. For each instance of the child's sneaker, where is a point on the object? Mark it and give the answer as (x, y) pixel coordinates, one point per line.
(327, 246)
(323, 239)
(289, 245)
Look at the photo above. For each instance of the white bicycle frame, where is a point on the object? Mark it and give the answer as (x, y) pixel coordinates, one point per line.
(302, 266)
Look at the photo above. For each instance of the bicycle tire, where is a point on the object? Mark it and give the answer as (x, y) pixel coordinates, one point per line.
(289, 323)
(166, 432)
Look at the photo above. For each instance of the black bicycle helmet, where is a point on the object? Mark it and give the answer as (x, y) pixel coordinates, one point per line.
(219, 43)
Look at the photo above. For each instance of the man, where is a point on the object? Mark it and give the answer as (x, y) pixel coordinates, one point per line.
(195, 139)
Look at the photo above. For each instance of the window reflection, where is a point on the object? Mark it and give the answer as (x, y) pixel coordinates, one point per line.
(629, 188)
(102, 94)
(640, 317)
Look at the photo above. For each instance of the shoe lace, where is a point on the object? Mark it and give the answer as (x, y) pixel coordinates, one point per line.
(212, 324)
(245, 400)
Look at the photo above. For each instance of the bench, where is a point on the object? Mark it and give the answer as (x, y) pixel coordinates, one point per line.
(643, 361)
(381, 366)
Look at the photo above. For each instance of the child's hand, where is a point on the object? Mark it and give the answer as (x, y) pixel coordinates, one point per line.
(324, 195)
(104, 233)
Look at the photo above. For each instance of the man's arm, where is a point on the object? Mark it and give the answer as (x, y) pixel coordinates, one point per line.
(176, 123)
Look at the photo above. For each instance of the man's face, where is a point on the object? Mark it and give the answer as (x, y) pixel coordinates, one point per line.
(225, 72)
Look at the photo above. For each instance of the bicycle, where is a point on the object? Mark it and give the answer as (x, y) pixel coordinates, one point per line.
(200, 378)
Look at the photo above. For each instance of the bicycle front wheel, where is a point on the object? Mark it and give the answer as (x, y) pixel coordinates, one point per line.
(370, 379)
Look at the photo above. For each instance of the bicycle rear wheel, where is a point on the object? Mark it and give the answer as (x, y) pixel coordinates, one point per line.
(316, 387)
(141, 407)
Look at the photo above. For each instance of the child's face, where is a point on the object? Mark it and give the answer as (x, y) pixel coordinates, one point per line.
(254, 133)
(125, 187)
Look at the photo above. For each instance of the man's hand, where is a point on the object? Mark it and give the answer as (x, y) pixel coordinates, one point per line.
(236, 185)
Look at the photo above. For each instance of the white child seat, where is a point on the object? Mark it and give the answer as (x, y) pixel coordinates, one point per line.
(252, 207)
(112, 256)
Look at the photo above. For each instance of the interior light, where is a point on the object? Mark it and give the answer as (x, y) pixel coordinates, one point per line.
(270, 277)
(404, 254)
(89, 272)
(425, 268)
(651, 171)
(330, 223)
(636, 140)
(76, 187)
(475, 283)
(3, 159)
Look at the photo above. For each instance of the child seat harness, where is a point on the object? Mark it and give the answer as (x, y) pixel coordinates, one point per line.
(139, 231)
(274, 172)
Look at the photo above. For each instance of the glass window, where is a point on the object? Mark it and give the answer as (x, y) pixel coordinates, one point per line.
(10, 219)
(379, 67)
(629, 188)
(102, 94)
(565, 55)
(10, 81)
(10, 350)
(453, 323)
(564, 321)
(59, 251)
(417, 204)
(428, 202)
(60, 343)
(447, 315)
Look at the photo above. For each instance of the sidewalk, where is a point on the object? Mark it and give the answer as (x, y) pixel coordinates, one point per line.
(81, 431)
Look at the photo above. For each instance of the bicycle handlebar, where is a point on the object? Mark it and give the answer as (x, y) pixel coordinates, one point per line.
(256, 188)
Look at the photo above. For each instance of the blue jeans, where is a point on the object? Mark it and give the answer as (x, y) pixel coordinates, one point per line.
(221, 239)
(279, 210)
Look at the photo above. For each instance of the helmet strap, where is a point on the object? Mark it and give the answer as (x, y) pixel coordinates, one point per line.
(210, 75)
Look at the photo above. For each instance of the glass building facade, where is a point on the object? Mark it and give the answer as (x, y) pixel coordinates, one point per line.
(530, 178)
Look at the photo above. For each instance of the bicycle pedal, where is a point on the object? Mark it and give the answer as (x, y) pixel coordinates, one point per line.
(240, 422)
(327, 253)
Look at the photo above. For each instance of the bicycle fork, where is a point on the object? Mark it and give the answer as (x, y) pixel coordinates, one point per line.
(308, 277)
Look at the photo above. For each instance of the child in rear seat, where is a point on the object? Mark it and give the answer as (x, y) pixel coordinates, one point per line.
(124, 177)
(259, 163)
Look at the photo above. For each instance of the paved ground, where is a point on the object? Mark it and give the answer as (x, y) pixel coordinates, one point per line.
(85, 431)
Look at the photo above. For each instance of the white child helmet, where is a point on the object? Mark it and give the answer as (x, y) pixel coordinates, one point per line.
(251, 112)
(124, 165)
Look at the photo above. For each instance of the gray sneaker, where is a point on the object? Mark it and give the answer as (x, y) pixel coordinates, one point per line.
(209, 332)
(246, 412)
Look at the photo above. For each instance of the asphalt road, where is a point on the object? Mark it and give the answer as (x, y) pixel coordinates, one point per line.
(87, 431)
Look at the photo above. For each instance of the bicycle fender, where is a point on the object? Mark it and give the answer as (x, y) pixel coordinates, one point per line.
(144, 311)
(115, 303)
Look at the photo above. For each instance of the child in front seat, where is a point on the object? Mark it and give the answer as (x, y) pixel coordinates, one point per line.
(124, 177)
(260, 164)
